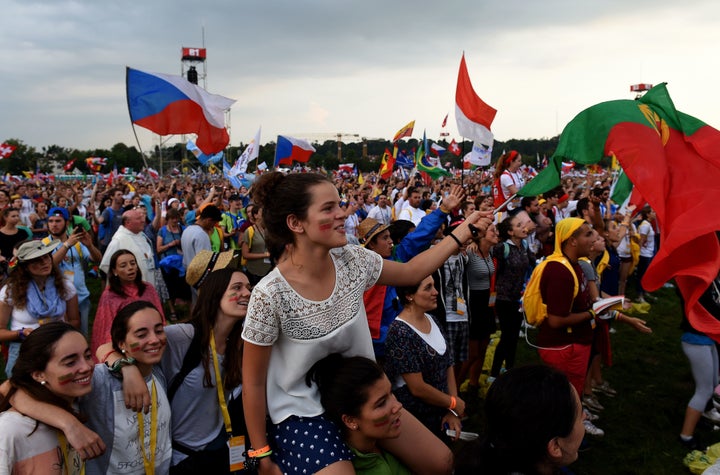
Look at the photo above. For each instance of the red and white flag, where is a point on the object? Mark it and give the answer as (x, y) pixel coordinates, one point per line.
(473, 116)
(454, 148)
(69, 165)
(6, 150)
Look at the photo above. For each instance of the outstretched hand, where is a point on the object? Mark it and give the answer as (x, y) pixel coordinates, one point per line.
(637, 324)
(454, 198)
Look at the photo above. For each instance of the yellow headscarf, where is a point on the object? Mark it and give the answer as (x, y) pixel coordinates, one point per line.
(564, 230)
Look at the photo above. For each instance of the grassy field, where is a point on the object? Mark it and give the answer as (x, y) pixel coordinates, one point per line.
(654, 384)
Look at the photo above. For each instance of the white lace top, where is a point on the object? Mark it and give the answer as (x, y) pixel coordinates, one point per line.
(303, 331)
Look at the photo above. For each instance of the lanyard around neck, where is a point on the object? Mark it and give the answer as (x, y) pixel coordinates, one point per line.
(218, 384)
(65, 451)
(149, 462)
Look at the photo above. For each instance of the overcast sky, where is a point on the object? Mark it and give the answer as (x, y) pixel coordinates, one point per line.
(357, 67)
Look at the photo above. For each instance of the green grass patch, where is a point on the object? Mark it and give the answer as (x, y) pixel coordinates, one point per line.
(654, 384)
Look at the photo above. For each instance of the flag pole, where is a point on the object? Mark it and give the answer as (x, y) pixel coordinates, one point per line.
(462, 162)
(132, 124)
(507, 201)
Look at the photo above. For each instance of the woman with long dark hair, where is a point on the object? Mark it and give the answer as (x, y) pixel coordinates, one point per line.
(356, 396)
(133, 438)
(419, 361)
(125, 285)
(480, 272)
(514, 259)
(54, 367)
(203, 359)
(36, 293)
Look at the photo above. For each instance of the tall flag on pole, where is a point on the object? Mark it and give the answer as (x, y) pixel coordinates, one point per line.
(386, 165)
(424, 165)
(168, 104)
(473, 116)
(405, 131)
(251, 153)
(290, 148)
(6, 150)
(673, 160)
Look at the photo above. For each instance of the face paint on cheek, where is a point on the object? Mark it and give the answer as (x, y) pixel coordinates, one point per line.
(65, 378)
(233, 297)
(382, 421)
(134, 347)
(325, 224)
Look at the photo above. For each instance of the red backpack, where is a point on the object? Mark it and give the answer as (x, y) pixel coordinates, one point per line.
(498, 195)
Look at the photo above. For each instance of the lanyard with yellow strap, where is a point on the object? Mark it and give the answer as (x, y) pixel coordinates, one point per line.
(236, 444)
(65, 451)
(149, 461)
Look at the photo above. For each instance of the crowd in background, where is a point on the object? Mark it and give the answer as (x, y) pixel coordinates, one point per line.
(161, 247)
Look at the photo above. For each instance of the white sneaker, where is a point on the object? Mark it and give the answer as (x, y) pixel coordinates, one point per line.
(713, 415)
(589, 416)
(592, 429)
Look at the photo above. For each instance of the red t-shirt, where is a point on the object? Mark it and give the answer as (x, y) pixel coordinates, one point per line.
(556, 288)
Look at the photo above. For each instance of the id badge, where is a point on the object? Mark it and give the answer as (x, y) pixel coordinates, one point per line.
(461, 306)
(236, 445)
(491, 300)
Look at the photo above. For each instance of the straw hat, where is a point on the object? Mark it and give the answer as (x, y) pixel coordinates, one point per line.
(206, 262)
(368, 229)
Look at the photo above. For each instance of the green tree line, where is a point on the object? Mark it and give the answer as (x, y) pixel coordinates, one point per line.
(365, 155)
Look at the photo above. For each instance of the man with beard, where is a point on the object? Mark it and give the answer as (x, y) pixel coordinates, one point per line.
(73, 256)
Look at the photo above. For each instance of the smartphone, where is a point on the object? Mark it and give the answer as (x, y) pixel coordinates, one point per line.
(78, 230)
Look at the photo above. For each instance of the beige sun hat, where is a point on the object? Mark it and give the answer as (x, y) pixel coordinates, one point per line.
(206, 262)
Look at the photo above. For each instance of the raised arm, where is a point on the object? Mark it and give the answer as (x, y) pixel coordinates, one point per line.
(424, 264)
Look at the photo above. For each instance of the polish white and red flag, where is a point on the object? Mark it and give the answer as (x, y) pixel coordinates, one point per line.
(472, 114)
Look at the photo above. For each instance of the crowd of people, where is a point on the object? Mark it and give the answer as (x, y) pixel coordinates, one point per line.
(334, 325)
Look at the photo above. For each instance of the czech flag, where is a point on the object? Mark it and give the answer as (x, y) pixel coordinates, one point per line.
(168, 105)
(290, 148)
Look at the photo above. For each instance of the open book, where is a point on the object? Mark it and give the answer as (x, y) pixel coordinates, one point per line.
(605, 304)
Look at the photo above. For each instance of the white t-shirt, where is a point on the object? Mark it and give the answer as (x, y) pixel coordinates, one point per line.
(647, 249)
(303, 331)
(381, 215)
(25, 450)
(21, 318)
(412, 214)
(508, 179)
(118, 425)
(351, 224)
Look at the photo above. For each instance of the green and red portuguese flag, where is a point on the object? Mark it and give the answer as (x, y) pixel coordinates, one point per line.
(673, 160)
